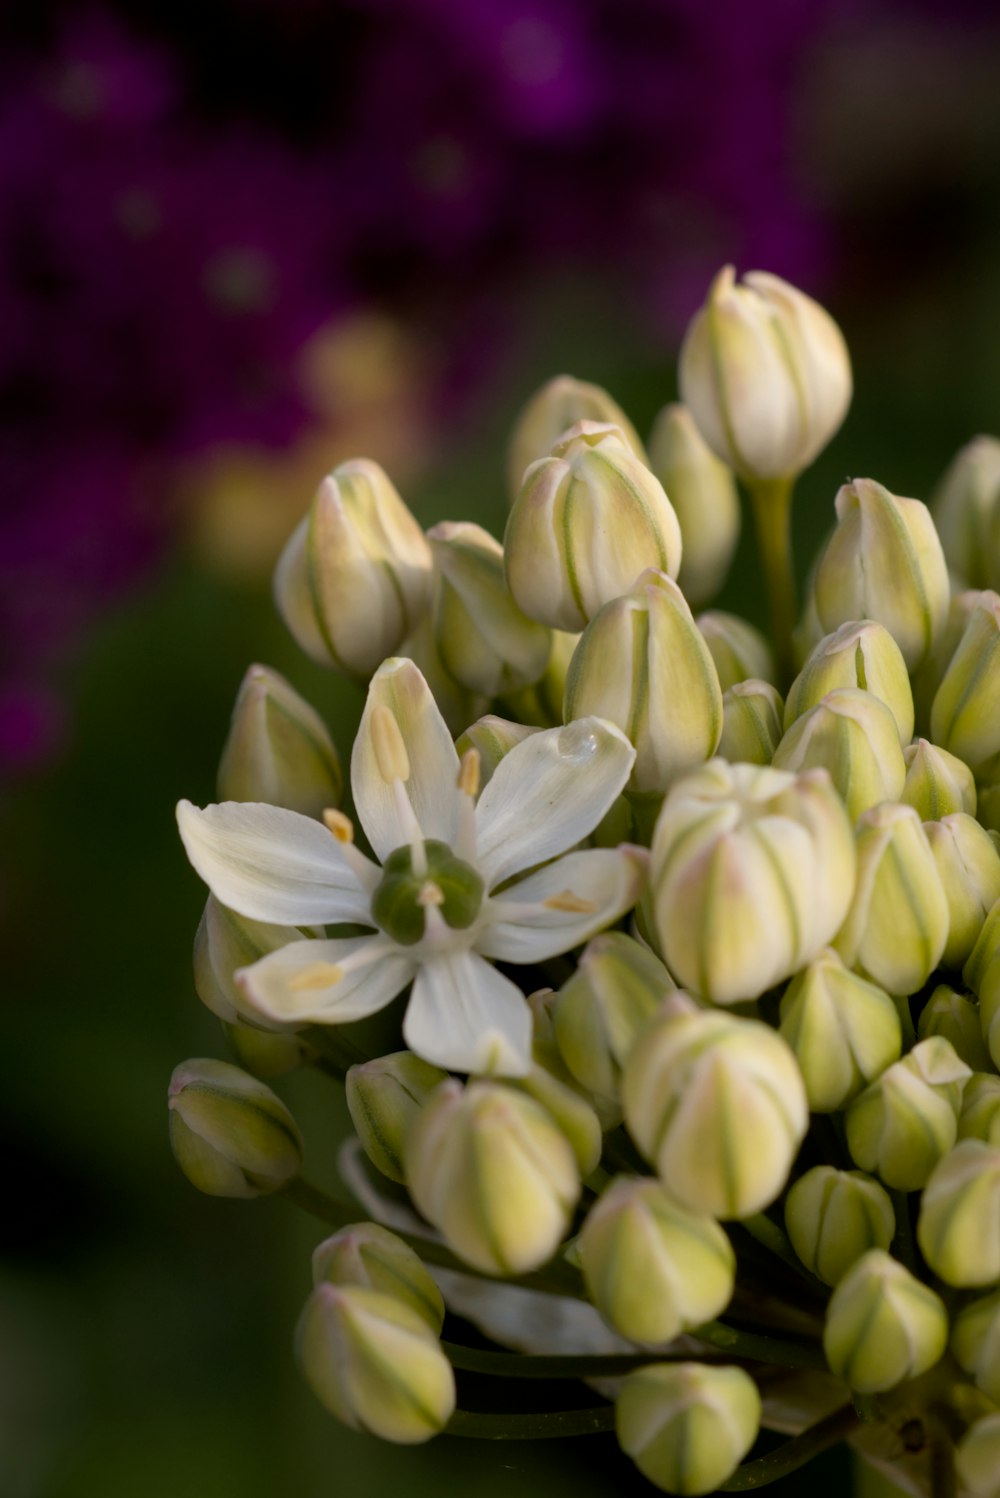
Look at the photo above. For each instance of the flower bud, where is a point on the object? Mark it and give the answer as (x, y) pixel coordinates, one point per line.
(969, 866)
(862, 655)
(230, 1134)
(384, 1097)
(907, 1120)
(369, 1255)
(977, 1458)
(278, 749)
(558, 405)
(561, 565)
(490, 1170)
(928, 678)
(717, 1105)
(964, 717)
(766, 373)
(883, 1325)
(982, 974)
(956, 1018)
(263, 1053)
(844, 1031)
(854, 736)
(575, 1116)
(739, 651)
(835, 1216)
(225, 942)
(483, 638)
(897, 926)
(975, 1341)
(937, 783)
(375, 1364)
(642, 664)
(703, 493)
(884, 562)
(752, 713)
(492, 738)
(980, 1115)
(687, 1426)
(959, 1224)
(752, 873)
(964, 505)
(355, 578)
(988, 806)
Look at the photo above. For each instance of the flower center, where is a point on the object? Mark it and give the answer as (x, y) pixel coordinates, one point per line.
(401, 901)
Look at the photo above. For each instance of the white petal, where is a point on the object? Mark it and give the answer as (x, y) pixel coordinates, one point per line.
(548, 793)
(530, 921)
(299, 984)
(432, 784)
(271, 864)
(465, 1016)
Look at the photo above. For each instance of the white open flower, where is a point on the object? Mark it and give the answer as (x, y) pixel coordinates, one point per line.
(442, 902)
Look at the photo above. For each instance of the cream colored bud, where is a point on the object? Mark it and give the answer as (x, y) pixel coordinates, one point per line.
(369, 1255)
(374, 1363)
(858, 654)
(490, 1169)
(263, 1053)
(687, 1426)
(278, 749)
(937, 783)
(493, 738)
(225, 942)
(883, 1325)
(384, 1097)
(766, 373)
(965, 504)
(231, 1135)
(969, 865)
(355, 578)
(907, 1120)
(884, 562)
(928, 678)
(752, 873)
(964, 716)
(703, 492)
(718, 1106)
(843, 1030)
(956, 1017)
(980, 1115)
(854, 736)
(959, 1225)
(588, 520)
(740, 651)
(975, 1341)
(552, 410)
(752, 713)
(642, 664)
(897, 926)
(977, 1458)
(834, 1216)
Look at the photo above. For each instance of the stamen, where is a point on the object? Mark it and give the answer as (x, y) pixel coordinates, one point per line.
(316, 975)
(469, 773)
(387, 741)
(342, 828)
(430, 894)
(469, 780)
(340, 825)
(571, 903)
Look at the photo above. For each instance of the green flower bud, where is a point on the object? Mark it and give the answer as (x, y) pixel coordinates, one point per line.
(703, 492)
(739, 651)
(612, 995)
(964, 506)
(752, 873)
(959, 1224)
(975, 1341)
(374, 1363)
(858, 654)
(928, 678)
(642, 664)
(988, 806)
(356, 575)
(687, 1426)
(492, 738)
(980, 1115)
(884, 562)
(560, 566)
(883, 1325)
(835, 1216)
(752, 713)
(230, 1134)
(977, 1458)
(384, 1097)
(368, 1255)
(278, 749)
(982, 974)
(956, 1017)
(766, 373)
(907, 1120)
(483, 638)
(969, 866)
(844, 1031)
(854, 736)
(897, 926)
(263, 1053)
(226, 942)
(489, 1168)
(651, 1269)
(937, 783)
(718, 1106)
(560, 404)
(458, 707)
(964, 717)
(569, 1110)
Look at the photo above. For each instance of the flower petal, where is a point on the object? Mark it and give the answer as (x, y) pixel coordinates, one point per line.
(548, 793)
(465, 1016)
(271, 864)
(432, 784)
(325, 982)
(563, 905)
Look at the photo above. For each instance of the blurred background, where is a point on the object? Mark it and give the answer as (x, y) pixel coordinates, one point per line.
(239, 244)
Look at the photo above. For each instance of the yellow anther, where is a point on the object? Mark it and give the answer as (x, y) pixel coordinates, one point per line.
(430, 894)
(469, 772)
(316, 975)
(572, 904)
(340, 825)
(387, 741)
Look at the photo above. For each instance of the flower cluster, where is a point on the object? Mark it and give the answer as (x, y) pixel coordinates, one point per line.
(685, 941)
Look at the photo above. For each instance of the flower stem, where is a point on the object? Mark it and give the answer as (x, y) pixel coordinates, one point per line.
(782, 1352)
(793, 1454)
(557, 1365)
(772, 511)
(533, 1427)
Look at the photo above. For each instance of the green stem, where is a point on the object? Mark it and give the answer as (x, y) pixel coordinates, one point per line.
(533, 1427)
(944, 1481)
(772, 510)
(558, 1365)
(904, 1244)
(782, 1352)
(793, 1454)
